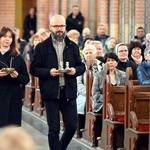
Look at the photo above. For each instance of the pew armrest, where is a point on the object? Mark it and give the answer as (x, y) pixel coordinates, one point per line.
(133, 120)
(110, 111)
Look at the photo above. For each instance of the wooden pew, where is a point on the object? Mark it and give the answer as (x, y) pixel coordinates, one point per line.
(137, 114)
(30, 93)
(89, 133)
(113, 116)
(149, 125)
(30, 87)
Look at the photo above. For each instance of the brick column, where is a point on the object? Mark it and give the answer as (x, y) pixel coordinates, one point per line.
(7, 13)
(54, 7)
(42, 14)
(139, 13)
(84, 11)
(92, 16)
(98, 4)
(113, 18)
(64, 8)
(103, 13)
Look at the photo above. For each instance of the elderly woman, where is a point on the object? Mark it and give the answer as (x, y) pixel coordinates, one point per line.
(143, 70)
(89, 53)
(73, 35)
(136, 52)
(117, 77)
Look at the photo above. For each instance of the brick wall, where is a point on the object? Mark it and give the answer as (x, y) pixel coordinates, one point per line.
(84, 10)
(64, 8)
(139, 18)
(43, 14)
(94, 11)
(113, 18)
(104, 16)
(7, 13)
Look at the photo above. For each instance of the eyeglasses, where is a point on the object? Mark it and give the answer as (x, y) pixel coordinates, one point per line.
(121, 51)
(58, 26)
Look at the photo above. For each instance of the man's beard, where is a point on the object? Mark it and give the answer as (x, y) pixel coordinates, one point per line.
(58, 37)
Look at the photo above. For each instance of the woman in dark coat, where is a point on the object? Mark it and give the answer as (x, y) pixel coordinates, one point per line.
(11, 80)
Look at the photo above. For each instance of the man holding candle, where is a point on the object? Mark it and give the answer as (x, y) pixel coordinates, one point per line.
(58, 88)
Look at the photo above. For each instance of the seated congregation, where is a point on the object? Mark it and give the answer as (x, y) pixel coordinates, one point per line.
(110, 94)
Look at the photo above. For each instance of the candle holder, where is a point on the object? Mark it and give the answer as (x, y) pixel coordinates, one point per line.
(61, 68)
(6, 68)
(67, 69)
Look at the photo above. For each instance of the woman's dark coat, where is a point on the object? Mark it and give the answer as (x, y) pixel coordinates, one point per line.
(10, 90)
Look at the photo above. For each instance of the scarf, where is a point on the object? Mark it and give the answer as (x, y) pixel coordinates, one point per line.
(137, 60)
(112, 78)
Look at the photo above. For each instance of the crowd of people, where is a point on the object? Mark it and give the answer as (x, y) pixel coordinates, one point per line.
(41, 53)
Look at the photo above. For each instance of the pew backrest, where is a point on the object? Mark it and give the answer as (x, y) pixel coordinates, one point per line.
(89, 82)
(137, 100)
(114, 96)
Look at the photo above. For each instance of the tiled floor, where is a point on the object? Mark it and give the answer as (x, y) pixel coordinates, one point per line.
(37, 127)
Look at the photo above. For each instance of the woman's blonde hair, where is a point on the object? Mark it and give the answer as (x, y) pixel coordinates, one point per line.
(15, 138)
(72, 33)
(110, 38)
(35, 36)
(90, 47)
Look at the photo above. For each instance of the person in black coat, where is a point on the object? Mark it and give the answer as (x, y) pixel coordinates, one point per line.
(75, 20)
(13, 73)
(58, 86)
(124, 62)
(30, 24)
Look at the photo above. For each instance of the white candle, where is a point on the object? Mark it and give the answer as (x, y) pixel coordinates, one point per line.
(67, 65)
(61, 65)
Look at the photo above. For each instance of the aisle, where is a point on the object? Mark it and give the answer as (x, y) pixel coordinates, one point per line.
(39, 138)
(37, 127)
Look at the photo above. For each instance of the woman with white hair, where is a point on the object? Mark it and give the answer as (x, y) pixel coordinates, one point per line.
(91, 62)
(73, 35)
(117, 77)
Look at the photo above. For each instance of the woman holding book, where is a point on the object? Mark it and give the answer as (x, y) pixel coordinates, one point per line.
(13, 73)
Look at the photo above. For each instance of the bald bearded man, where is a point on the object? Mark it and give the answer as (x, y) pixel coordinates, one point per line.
(58, 89)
